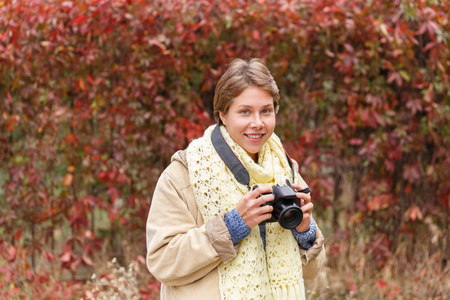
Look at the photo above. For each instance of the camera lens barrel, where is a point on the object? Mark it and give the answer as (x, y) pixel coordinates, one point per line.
(290, 216)
(286, 207)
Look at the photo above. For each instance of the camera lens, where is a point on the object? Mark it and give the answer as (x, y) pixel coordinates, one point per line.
(290, 217)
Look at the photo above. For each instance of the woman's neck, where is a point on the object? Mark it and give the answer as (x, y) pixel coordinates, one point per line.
(253, 156)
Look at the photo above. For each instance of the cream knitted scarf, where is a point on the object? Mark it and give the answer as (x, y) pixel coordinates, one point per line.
(255, 273)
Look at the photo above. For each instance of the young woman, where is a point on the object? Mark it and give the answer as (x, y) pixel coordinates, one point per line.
(205, 239)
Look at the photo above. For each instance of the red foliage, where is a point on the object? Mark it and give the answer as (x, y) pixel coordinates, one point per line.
(95, 96)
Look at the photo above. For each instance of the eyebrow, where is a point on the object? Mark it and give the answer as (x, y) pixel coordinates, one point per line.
(250, 106)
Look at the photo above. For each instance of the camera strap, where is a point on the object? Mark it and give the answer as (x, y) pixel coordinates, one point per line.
(232, 161)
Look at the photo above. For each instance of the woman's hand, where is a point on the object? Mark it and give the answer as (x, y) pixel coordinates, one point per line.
(249, 207)
(306, 207)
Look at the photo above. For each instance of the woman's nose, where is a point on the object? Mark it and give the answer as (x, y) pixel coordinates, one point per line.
(257, 122)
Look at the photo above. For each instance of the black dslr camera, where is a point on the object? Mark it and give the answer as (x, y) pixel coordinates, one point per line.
(286, 205)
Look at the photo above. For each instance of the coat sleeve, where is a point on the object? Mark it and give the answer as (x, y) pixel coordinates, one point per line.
(313, 258)
(179, 251)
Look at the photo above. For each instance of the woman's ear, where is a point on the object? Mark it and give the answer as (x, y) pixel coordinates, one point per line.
(223, 118)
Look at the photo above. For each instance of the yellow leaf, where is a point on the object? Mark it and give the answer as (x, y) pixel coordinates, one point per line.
(81, 81)
(68, 179)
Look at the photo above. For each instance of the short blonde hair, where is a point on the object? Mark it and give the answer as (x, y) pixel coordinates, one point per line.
(242, 74)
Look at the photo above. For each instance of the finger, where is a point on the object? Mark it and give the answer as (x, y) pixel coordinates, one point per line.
(305, 197)
(306, 219)
(263, 199)
(259, 190)
(258, 218)
(263, 189)
(297, 186)
(266, 209)
(304, 225)
(263, 213)
(307, 208)
(265, 217)
(249, 198)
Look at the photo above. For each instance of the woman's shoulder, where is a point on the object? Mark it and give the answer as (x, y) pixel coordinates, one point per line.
(179, 157)
(178, 164)
(177, 171)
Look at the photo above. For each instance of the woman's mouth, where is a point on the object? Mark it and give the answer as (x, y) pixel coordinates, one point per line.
(254, 136)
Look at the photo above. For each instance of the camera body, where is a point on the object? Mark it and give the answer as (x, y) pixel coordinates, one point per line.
(286, 206)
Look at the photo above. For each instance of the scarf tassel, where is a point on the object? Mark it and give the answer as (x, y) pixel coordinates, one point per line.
(291, 292)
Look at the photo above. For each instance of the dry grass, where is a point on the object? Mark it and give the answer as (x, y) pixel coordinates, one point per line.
(352, 273)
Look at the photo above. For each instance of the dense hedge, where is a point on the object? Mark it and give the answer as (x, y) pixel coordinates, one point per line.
(96, 95)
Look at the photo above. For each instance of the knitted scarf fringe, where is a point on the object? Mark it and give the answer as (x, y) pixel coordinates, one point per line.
(290, 292)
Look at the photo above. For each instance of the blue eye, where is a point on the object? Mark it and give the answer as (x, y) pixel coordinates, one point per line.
(267, 111)
(244, 111)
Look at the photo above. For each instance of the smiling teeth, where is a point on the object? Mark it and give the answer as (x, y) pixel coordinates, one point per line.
(254, 136)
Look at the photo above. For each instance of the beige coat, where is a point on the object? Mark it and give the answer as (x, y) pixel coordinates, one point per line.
(183, 252)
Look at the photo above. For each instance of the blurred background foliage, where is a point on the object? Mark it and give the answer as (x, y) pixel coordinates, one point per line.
(96, 95)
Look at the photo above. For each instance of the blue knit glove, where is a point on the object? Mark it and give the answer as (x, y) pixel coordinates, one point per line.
(239, 230)
(236, 226)
(306, 239)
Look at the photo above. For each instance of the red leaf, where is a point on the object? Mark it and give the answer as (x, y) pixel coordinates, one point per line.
(66, 256)
(88, 234)
(395, 76)
(79, 20)
(445, 201)
(18, 235)
(381, 284)
(74, 265)
(11, 122)
(256, 35)
(356, 141)
(432, 27)
(70, 138)
(422, 29)
(374, 100)
(414, 105)
(9, 97)
(103, 176)
(429, 46)
(413, 213)
(329, 53)
(349, 48)
(60, 111)
(113, 193)
(390, 165)
(408, 189)
(380, 202)
(87, 260)
(141, 259)
(90, 79)
(12, 251)
(50, 257)
(411, 172)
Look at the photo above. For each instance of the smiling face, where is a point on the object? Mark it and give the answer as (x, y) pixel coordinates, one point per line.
(250, 120)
